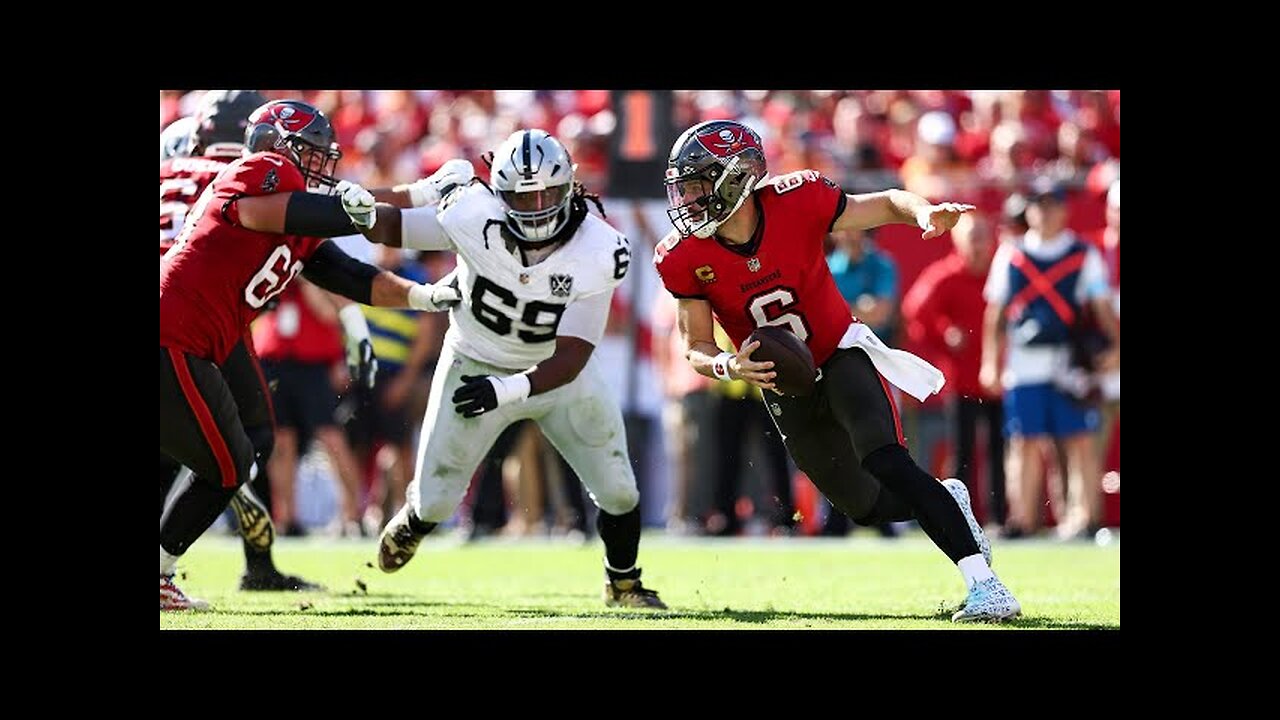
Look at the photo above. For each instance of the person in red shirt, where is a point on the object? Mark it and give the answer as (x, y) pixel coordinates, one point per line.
(944, 310)
(192, 155)
(752, 256)
(249, 233)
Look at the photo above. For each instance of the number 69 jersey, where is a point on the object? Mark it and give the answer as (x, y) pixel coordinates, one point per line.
(510, 314)
(780, 277)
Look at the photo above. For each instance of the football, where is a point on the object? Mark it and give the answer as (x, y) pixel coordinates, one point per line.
(791, 358)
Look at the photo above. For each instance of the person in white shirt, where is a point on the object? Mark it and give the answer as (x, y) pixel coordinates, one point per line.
(536, 272)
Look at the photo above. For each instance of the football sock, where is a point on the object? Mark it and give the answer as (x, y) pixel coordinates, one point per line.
(621, 536)
(419, 526)
(974, 569)
(167, 562)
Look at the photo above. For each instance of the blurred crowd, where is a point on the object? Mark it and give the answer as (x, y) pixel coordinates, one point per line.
(708, 457)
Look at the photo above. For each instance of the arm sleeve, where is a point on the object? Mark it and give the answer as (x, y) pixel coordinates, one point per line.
(338, 272)
(420, 229)
(586, 317)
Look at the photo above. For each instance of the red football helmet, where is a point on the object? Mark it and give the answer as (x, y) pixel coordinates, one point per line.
(299, 131)
(711, 171)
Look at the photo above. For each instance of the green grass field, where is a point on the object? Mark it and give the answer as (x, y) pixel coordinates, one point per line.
(858, 583)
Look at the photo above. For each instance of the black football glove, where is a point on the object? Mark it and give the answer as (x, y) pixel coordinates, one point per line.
(476, 397)
(361, 363)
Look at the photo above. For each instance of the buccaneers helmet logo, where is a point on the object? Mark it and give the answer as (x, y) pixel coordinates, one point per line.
(728, 142)
(290, 118)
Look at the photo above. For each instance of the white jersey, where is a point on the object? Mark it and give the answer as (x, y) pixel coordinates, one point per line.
(510, 314)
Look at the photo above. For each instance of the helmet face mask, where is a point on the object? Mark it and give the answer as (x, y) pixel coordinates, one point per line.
(300, 132)
(533, 177)
(712, 169)
(317, 165)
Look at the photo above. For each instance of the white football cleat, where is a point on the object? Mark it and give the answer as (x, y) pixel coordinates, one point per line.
(988, 600)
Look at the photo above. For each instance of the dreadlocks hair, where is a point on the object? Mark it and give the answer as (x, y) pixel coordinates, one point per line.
(580, 195)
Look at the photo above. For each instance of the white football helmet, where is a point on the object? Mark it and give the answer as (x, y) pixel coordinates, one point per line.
(176, 140)
(533, 176)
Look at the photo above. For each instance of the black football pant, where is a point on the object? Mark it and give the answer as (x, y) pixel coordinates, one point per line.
(200, 427)
(847, 437)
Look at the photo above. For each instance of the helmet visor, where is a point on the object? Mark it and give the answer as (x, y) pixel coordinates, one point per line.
(535, 202)
(536, 214)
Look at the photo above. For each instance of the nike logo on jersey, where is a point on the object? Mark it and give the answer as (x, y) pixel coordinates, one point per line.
(270, 159)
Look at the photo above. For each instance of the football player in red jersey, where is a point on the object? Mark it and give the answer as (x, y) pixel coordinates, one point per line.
(750, 254)
(255, 228)
(191, 156)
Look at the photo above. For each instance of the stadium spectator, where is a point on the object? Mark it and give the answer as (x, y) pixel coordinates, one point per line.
(1037, 288)
(868, 280)
(300, 345)
(688, 417)
(943, 312)
(405, 341)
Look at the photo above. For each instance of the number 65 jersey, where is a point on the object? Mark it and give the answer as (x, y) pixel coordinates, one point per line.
(510, 313)
(218, 275)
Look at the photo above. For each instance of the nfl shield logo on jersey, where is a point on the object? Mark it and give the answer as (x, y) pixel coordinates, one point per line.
(753, 264)
(561, 284)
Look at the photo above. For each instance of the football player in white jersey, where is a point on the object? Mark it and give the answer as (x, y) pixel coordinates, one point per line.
(536, 273)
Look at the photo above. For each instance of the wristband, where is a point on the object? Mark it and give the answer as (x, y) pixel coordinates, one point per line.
(720, 365)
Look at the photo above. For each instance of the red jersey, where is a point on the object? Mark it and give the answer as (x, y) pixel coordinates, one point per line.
(218, 275)
(181, 182)
(778, 278)
(295, 332)
(948, 295)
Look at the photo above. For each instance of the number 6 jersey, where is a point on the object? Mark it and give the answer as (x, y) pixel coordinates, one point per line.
(218, 275)
(510, 313)
(780, 277)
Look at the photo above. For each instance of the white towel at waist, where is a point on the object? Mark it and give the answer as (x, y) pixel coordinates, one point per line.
(913, 375)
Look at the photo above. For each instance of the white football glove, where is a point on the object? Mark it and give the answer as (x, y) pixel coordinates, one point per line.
(358, 203)
(428, 191)
(434, 298)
